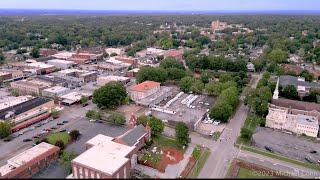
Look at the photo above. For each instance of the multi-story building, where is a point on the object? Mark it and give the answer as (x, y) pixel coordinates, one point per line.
(40, 68)
(63, 55)
(143, 90)
(102, 80)
(178, 54)
(47, 52)
(83, 58)
(61, 64)
(30, 162)
(296, 121)
(95, 162)
(55, 91)
(29, 86)
(75, 77)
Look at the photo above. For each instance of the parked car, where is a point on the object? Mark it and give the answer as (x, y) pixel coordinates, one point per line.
(65, 122)
(313, 152)
(63, 130)
(36, 137)
(99, 121)
(85, 104)
(308, 159)
(38, 125)
(53, 127)
(216, 123)
(7, 139)
(60, 124)
(319, 161)
(27, 140)
(268, 149)
(92, 120)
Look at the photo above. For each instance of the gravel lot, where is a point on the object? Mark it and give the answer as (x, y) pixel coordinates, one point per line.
(286, 144)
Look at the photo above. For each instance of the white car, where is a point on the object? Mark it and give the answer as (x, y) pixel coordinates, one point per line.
(207, 104)
(164, 120)
(92, 120)
(216, 123)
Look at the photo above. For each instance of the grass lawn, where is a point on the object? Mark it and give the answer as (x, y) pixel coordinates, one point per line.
(282, 158)
(163, 141)
(54, 137)
(199, 165)
(247, 173)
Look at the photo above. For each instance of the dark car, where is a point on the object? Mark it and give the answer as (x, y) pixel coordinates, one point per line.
(308, 159)
(99, 121)
(85, 104)
(27, 140)
(313, 152)
(268, 148)
(60, 124)
(65, 122)
(37, 125)
(53, 127)
(63, 130)
(36, 136)
(7, 139)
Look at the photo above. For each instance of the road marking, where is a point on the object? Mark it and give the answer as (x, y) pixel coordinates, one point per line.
(261, 160)
(275, 164)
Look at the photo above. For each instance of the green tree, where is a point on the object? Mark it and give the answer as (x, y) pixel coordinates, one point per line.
(152, 74)
(2, 57)
(308, 76)
(197, 86)
(65, 160)
(59, 143)
(221, 112)
(171, 62)
(113, 54)
(156, 125)
(277, 56)
(55, 114)
(290, 92)
(186, 84)
(5, 129)
(93, 114)
(35, 52)
(182, 133)
(175, 73)
(110, 95)
(84, 100)
(246, 134)
(116, 118)
(74, 135)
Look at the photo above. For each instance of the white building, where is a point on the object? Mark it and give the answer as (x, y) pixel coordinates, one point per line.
(61, 64)
(285, 119)
(118, 51)
(55, 91)
(63, 55)
(102, 80)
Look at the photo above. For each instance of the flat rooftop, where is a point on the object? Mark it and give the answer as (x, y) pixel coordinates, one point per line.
(107, 156)
(40, 65)
(26, 157)
(307, 120)
(56, 89)
(60, 61)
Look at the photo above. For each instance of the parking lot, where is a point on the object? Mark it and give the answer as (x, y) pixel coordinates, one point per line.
(183, 113)
(288, 145)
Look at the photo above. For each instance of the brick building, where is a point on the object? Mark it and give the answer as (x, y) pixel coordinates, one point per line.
(30, 162)
(108, 157)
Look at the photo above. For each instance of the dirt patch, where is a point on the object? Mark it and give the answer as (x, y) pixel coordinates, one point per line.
(170, 156)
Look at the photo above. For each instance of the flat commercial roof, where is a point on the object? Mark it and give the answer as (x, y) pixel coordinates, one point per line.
(56, 89)
(107, 156)
(113, 78)
(99, 139)
(307, 120)
(23, 107)
(26, 157)
(60, 61)
(40, 65)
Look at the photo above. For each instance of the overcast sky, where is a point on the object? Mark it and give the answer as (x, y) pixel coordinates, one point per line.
(163, 4)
